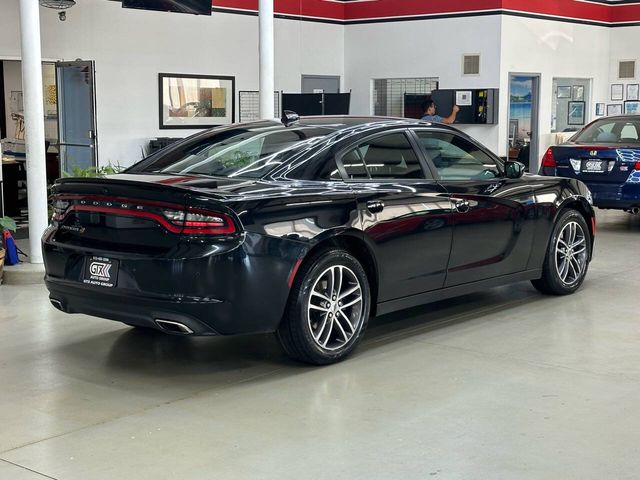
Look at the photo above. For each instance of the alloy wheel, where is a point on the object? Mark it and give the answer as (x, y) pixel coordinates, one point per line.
(335, 307)
(571, 253)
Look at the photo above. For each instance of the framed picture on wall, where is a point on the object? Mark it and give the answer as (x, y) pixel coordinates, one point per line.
(577, 93)
(576, 113)
(616, 91)
(564, 91)
(600, 109)
(614, 109)
(195, 101)
(632, 107)
(633, 92)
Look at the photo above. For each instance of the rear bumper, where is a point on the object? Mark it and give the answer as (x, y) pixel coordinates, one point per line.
(617, 196)
(137, 310)
(244, 290)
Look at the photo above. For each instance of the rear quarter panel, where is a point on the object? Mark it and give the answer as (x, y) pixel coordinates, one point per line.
(282, 223)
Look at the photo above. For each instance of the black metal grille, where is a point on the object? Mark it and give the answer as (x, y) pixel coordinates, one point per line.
(250, 105)
(471, 65)
(627, 69)
(389, 93)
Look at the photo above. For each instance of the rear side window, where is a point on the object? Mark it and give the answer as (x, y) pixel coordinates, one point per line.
(456, 158)
(238, 152)
(385, 157)
(354, 165)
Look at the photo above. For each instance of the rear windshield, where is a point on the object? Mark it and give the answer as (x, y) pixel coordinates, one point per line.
(622, 131)
(240, 152)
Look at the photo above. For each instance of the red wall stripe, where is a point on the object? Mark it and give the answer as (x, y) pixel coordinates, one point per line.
(562, 8)
(306, 8)
(395, 8)
(379, 9)
(625, 13)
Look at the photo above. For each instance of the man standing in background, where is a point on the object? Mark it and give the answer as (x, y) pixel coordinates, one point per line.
(429, 108)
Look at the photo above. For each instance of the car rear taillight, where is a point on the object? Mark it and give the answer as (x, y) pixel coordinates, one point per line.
(636, 166)
(201, 222)
(172, 217)
(548, 161)
(59, 210)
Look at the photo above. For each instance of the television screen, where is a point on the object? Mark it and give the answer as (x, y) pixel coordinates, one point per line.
(195, 7)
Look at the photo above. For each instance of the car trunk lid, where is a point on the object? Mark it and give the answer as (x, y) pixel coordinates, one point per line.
(146, 214)
(595, 163)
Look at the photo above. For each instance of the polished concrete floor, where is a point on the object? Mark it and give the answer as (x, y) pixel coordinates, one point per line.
(507, 384)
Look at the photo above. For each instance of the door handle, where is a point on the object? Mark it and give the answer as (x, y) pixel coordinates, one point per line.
(462, 205)
(375, 206)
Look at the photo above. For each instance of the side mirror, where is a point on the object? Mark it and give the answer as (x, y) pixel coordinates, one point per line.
(514, 169)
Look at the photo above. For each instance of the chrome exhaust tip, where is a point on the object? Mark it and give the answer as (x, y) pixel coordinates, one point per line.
(173, 327)
(57, 304)
(635, 210)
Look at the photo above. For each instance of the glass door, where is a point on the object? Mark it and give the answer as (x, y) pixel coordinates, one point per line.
(523, 119)
(76, 116)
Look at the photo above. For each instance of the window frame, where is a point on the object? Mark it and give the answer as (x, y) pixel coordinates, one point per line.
(499, 163)
(424, 166)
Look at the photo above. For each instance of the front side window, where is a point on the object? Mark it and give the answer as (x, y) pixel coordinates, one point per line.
(385, 157)
(456, 158)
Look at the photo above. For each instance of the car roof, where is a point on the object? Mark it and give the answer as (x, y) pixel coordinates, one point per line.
(620, 117)
(344, 122)
(340, 122)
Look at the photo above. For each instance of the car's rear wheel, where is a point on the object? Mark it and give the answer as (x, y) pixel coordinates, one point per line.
(328, 309)
(567, 258)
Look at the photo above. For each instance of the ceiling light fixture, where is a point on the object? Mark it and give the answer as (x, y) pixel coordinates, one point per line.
(58, 4)
(61, 5)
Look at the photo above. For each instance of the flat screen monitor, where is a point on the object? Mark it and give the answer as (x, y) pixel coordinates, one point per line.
(195, 7)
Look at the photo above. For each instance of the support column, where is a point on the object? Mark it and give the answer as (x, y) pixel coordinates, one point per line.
(34, 125)
(266, 60)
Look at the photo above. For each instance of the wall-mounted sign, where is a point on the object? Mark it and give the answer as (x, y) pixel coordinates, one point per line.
(463, 98)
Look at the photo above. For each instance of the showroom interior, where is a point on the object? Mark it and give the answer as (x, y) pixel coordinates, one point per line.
(502, 382)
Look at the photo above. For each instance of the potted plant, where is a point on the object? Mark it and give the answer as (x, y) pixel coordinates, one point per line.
(6, 223)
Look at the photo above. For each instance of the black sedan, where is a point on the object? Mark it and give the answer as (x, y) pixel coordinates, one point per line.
(605, 155)
(308, 228)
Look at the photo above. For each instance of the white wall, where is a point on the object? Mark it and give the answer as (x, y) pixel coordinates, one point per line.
(131, 47)
(424, 48)
(551, 49)
(624, 46)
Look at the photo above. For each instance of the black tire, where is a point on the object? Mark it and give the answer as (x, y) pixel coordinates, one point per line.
(554, 280)
(305, 325)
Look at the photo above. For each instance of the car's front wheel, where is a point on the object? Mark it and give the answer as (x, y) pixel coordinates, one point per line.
(567, 258)
(328, 309)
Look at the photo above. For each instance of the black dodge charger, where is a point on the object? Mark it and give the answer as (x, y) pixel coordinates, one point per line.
(308, 228)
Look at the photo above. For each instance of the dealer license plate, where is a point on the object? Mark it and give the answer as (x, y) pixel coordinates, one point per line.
(100, 271)
(595, 166)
